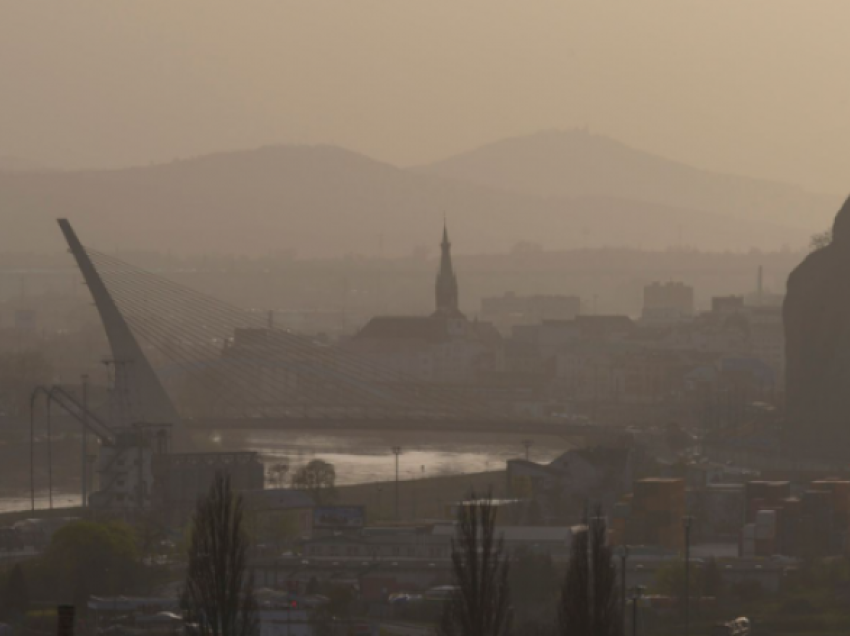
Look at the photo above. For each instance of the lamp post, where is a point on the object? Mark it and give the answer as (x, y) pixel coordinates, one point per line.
(396, 451)
(624, 555)
(415, 492)
(32, 449)
(84, 442)
(49, 457)
(687, 522)
(637, 593)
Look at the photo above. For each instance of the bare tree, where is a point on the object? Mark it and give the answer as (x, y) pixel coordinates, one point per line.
(17, 599)
(318, 479)
(219, 591)
(481, 603)
(590, 602)
(573, 613)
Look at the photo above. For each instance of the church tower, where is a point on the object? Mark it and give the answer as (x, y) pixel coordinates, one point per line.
(446, 287)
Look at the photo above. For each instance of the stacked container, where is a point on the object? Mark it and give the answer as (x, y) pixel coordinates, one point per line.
(619, 519)
(747, 547)
(765, 531)
(817, 524)
(656, 513)
(792, 526)
(840, 491)
(764, 494)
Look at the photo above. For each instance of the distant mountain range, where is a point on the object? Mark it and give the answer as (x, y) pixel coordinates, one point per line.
(326, 201)
(12, 163)
(580, 164)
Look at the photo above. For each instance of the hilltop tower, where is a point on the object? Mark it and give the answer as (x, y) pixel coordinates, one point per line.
(446, 288)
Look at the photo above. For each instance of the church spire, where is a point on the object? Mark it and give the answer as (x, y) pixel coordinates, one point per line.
(446, 289)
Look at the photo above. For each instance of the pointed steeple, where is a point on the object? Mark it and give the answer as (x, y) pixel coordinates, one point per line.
(446, 291)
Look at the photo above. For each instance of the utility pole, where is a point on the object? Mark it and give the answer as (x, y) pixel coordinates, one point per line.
(686, 524)
(624, 555)
(32, 450)
(422, 479)
(84, 450)
(527, 443)
(396, 451)
(49, 457)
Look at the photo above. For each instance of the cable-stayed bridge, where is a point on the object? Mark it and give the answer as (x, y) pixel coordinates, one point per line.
(225, 367)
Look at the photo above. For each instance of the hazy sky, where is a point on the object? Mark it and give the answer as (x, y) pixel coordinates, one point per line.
(759, 87)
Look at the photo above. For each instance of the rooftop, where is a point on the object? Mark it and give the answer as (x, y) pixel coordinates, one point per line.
(426, 328)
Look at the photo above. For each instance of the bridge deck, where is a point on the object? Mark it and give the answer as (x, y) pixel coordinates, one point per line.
(484, 426)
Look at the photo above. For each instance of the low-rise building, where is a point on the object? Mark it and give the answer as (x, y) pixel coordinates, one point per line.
(508, 311)
(442, 347)
(180, 479)
(599, 474)
(405, 543)
(667, 303)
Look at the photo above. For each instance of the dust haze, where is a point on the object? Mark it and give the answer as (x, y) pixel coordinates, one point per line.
(721, 114)
(381, 273)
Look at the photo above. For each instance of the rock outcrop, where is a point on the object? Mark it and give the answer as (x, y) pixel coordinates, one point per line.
(817, 342)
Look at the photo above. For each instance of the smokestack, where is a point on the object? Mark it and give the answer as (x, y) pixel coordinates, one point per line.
(759, 284)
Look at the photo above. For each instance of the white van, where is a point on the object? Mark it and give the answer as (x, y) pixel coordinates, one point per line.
(738, 627)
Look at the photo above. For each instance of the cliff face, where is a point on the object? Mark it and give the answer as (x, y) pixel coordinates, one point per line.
(817, 340)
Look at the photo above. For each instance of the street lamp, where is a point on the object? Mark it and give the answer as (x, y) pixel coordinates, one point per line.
(637, 593)
(687, 522)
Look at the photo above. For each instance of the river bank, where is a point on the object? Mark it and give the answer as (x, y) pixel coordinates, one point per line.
(358, 457)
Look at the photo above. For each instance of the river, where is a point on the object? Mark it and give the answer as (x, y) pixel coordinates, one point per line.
(360, 457)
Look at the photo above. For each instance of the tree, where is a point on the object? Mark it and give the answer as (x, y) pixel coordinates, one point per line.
(150, 533)
(318, 478)
(337, 608)
(86, 558)
(219, 591)
(574, 610)
(277, 473)
(532, 576)
(274, 527)
(670, 580)
(703, 581)
(535, 627)
(481, 603)
(16, 600)
(820, 240)
(590, 603)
